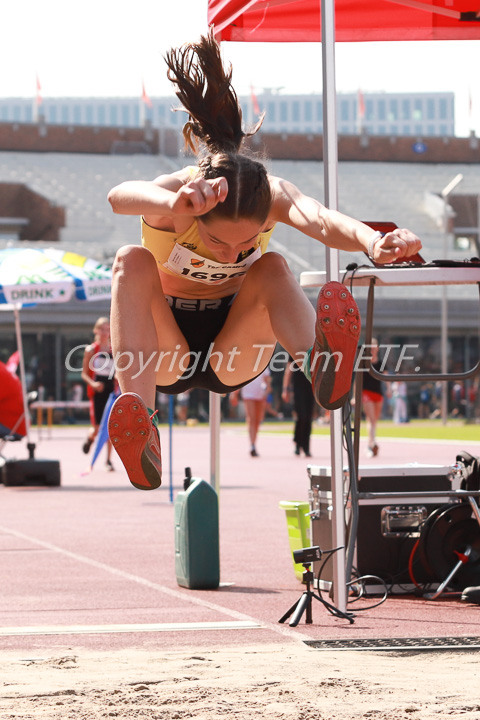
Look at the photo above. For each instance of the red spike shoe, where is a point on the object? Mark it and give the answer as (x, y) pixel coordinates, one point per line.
(337, 332)
(136, 440)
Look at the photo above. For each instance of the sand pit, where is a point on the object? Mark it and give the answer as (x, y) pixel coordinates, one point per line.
(290, 681)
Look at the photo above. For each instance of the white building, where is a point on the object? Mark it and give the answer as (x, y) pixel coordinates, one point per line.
(418, 114)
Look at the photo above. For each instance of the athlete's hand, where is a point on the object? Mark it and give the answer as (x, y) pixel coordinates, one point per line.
(199, 196)
(396, 245)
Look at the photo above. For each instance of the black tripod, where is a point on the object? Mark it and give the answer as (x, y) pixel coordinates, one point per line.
(304, 603)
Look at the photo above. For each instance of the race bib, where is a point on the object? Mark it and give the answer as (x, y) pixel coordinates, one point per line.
(188, 264)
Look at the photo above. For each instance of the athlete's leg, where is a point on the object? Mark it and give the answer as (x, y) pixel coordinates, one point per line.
(260, 406)
(371, 417)
(142, 326)
(270, 307)
(251, 413)
(372, 412)
(255, 412)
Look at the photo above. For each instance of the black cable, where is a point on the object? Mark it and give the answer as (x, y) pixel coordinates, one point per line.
(328, 606)
(361, 581)
(353, 267)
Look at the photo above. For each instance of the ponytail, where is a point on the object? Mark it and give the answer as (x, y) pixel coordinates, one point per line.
(203, 86)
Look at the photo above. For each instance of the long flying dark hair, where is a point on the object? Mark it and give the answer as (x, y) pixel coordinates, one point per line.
(214, 130)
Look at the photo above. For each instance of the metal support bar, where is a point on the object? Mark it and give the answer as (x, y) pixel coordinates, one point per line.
(457, 494)
(418, 377)
(330, 163)
(215, 417)
(474, 507)
(451, 574)
(23, 379)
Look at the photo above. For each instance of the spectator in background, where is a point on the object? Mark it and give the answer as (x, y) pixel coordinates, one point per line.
(458, 399)
(424, 401)
(75, 395)
(296, 387)
(437, 400)
(98, 374)
(254, 396)
(372, 400)
(399, 397)
(163, 406)
(181, 407)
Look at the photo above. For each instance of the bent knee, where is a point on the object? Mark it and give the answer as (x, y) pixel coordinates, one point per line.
(133, 259)
(271, 263)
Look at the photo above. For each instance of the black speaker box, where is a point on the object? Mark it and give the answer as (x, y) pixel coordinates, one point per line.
(30, 472)
(388, 527)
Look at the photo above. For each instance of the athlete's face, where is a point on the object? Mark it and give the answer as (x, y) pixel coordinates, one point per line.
(227, 239)
(103, 330)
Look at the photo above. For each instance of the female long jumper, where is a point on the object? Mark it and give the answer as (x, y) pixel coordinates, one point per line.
(201, 304)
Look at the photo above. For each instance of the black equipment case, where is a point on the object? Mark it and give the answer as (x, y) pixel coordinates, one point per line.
(30, 472)
(388, 527)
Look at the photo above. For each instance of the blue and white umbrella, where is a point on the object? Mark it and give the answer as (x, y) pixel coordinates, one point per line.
(31, 276)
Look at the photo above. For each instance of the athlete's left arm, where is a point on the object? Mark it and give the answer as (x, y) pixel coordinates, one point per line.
(334, 229)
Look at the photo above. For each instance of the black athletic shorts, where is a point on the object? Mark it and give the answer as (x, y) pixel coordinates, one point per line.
(200, 321)
(100, 398)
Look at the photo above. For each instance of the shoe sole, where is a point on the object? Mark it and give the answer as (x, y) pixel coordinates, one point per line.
(86, 446)
(337, 330)
(132, 436)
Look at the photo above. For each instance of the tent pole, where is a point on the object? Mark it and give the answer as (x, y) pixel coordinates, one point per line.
(330, 164)
(23, 380)
(170, 444)
(215, 414)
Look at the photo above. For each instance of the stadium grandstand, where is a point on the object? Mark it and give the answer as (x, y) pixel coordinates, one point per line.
(379, 179)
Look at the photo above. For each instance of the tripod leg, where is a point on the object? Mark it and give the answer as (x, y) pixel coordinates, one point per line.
(289, 612)
(441, 588)
(305, 603)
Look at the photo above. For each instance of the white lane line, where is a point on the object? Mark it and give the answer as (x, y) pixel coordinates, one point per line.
(132, 628)
(185, 597)
(427, 441)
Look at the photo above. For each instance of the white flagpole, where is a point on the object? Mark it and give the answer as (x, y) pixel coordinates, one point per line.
(23, 380)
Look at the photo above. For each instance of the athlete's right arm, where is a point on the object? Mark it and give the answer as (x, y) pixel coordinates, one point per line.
(168, 196)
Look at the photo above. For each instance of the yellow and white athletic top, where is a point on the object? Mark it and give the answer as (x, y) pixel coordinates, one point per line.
(188, 269)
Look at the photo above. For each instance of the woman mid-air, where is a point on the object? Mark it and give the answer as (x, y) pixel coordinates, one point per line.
(201, 303)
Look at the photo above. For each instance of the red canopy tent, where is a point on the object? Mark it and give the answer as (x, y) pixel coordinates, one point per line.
(329, 21)
(355, 20)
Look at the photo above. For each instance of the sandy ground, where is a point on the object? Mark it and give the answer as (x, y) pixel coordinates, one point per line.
(74, 556)
(282, 681)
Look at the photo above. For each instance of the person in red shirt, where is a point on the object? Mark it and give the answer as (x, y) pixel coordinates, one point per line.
(12, 418)
(98, 374)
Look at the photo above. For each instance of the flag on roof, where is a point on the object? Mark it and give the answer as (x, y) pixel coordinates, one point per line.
(145, 98)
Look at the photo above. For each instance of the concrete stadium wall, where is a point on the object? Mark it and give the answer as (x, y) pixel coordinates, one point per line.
(375, 148)
(282, 146)
(44, 218)
(24, 137)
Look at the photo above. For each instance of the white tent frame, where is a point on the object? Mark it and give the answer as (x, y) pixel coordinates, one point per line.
(330, 154)
(330, 158)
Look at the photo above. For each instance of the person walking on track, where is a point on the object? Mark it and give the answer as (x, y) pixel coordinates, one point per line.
(98, 374)
(201, 303)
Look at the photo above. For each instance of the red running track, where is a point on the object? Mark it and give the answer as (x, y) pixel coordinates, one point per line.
(85, 563)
